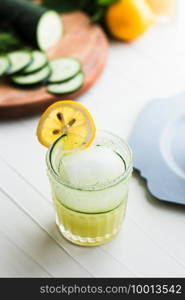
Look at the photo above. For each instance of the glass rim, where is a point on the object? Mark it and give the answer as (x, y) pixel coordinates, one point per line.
(124, 175)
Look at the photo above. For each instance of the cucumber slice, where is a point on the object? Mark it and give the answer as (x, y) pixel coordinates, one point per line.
(66, 87)
(19, 60)
(33, 78)
(64, 68)
(49, 30)
(39, 61)
(4, 65)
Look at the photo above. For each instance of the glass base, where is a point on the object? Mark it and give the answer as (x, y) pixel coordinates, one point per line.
(86, 241)
(89, 229)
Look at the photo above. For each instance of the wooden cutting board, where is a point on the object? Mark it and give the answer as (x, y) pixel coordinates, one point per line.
(82, 40)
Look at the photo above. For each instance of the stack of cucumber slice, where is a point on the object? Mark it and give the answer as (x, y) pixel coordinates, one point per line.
(66, 75)
(28, 68)
(4, 65)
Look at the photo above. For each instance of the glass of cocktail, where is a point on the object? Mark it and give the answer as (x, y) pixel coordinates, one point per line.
(89, 186)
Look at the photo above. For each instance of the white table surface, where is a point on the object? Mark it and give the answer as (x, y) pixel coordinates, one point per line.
(152, 241)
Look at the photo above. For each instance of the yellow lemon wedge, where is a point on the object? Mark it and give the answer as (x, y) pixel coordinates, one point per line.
(68, 119)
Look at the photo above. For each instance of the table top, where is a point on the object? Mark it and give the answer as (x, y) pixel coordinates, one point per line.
(151, 242)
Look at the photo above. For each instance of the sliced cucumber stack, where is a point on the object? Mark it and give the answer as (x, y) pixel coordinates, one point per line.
(37, 77)
(4, 65)
(28, 68)
(63, 69)
(19, 60)
(38, 62)
(68, 86)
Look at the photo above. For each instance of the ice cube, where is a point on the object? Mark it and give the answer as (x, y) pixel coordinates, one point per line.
(93, 166)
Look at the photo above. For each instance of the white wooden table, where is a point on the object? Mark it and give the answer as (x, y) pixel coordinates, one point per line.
(152, 241)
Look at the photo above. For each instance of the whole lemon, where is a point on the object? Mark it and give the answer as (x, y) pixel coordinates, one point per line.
(128, 19)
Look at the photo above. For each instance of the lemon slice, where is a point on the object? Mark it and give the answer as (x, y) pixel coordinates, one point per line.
(68, 119)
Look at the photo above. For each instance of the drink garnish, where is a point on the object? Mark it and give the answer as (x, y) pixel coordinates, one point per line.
(69, 119)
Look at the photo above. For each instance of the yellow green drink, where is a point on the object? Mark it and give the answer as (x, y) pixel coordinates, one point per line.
(90, 188)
